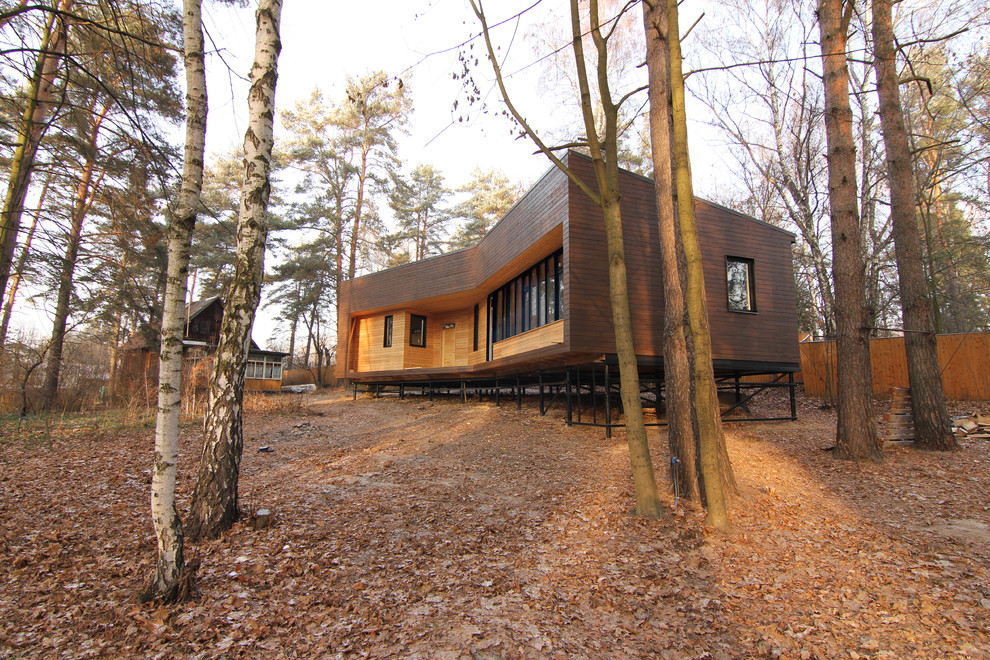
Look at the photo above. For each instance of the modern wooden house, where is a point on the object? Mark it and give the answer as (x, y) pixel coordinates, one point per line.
(532, 297)
(199, 343)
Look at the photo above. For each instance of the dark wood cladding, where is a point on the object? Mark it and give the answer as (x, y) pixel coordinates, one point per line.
(769, 335)
(556, 213)
(542, 209)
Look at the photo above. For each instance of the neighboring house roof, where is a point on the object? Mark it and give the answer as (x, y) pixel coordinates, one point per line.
(196, 307)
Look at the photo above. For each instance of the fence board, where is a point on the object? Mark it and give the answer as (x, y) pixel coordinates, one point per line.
(963, 358)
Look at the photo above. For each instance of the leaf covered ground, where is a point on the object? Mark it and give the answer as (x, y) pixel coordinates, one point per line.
(440, 530)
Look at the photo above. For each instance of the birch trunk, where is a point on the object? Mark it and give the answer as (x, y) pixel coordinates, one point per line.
(713, 458)
(32, 129)
(676, 365)
(214, 505)
(856, 432)
(931, 416)
(170, 564)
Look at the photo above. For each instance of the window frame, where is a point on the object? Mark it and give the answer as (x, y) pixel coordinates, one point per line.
(413, 320)
(389, 325)
(531, 300)
(750, 269)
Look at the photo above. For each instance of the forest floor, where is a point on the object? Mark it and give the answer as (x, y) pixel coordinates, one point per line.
(409, 528)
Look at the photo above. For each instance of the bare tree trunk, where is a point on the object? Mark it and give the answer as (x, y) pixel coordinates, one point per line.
(214, 504)
(170, 564)
(604, 158)
(292, 343)
(931, 416)
(32, 129)
(19, 269)
(676, 366)
(715, 468)
(85, 195)
(856, 433)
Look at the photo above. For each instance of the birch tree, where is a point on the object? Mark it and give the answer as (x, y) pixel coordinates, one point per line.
(170, 564)
(856, 431)
(603, 145)
(214, 505)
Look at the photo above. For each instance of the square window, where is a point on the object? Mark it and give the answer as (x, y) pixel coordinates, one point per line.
(387, 342)
(417, 330)
(741, 284)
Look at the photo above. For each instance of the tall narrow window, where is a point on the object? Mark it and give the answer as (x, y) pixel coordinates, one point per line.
(387, 342)
(740, 284)
(477, 313)
(417, 330)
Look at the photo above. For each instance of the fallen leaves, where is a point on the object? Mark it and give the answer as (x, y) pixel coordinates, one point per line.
(409, 528)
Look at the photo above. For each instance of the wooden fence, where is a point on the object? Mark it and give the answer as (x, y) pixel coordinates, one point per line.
(964, 360)
(308, 376)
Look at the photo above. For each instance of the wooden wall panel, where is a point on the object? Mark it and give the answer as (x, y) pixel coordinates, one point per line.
(531, 340)
(767, 336)
(369, 336)
(420, 357)
(262, 385)
(771, 333)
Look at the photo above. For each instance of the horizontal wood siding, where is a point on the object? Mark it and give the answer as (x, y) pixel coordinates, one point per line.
(586, 262)
(769, 334)
(422, 357)
(531, 340)
(478, 356)
(766, 336)
(554, 214)
(370, 354)
(262, 385)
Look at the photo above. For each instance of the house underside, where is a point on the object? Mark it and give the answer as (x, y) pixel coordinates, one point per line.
(528, 307)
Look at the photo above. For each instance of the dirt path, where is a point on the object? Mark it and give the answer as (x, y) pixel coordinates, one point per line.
(419, 529)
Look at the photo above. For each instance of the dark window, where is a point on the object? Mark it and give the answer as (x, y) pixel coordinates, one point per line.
(477, 313)
(387, 342)
(531, 300)
(417, 330)
(741, 284)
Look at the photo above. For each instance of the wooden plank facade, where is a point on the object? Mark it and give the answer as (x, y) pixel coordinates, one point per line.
(533, 294)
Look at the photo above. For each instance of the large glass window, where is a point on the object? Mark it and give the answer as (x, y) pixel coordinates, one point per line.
(417, 330)
(741, 286)
(531, 300)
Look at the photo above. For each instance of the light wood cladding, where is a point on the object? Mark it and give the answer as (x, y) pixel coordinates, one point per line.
(368, 353)
(547, 335)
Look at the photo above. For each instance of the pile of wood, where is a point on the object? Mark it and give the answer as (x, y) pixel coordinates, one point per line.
(900, 420)
(973, 425)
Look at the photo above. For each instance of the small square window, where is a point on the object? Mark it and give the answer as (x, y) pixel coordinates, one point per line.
(417, 330)
(387, 343)
(741, 284)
